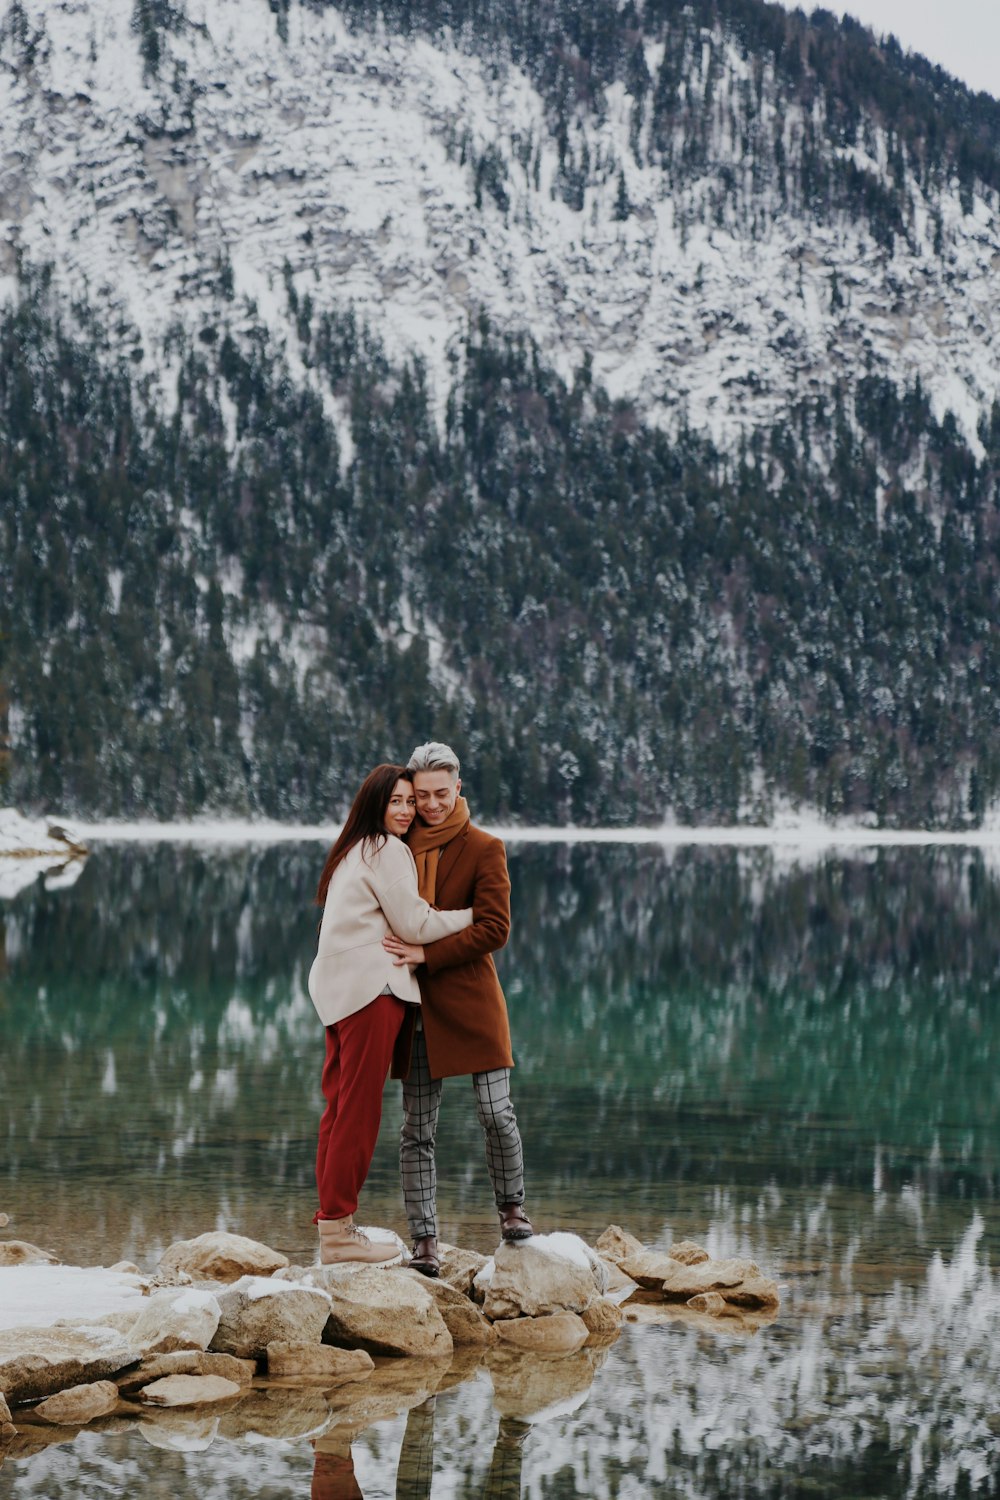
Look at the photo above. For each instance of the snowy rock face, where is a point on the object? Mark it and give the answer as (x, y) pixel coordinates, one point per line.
(420, 183)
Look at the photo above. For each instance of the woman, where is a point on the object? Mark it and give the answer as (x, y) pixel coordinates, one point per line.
(368, 888)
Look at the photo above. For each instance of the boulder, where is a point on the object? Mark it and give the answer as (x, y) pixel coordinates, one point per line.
(219, 1256)
(648, 1268)
(462, 1317)
(190, 1390)
(7, 1428)
(386, 1312)
(459, 1267)
(256, 1312)
(603, 1318)
(20, 1253)
(129, 1267)
(529, 1281)
(739, 1282)
(556, 1333)
(619, 1285)
(566, 1246)
(37, 1362)
(713, 1303)
(78, 1405)
(186, 1362)
(317, 1364)
(688, 1253)
(615, 1244)
(173, 1319)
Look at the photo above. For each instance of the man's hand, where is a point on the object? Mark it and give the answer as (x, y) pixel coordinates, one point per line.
(402, 953)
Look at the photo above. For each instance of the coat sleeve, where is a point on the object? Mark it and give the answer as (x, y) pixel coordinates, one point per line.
(491, 915)
(408, 914)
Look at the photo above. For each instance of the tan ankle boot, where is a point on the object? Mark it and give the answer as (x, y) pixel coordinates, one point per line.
(341, 1241)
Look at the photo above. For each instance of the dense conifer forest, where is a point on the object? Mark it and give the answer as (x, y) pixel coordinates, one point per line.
(217, 603)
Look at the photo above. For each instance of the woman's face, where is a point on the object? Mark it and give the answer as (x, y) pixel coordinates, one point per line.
(402, 809)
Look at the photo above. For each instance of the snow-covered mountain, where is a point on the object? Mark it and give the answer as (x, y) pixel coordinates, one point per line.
(612, 388)
(423, 178)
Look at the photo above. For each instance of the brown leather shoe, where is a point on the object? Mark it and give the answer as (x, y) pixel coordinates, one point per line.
(514, 1223)
(425, 1256)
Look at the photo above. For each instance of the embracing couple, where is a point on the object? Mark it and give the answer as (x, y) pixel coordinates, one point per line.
(415, 902)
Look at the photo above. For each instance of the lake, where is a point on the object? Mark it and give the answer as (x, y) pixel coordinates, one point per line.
(794, 1060)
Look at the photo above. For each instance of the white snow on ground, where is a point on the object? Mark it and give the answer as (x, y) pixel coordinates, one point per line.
(19, 834)
(38, 1296)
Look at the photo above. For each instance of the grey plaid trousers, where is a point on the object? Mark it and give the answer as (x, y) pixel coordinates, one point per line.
(417, 1168)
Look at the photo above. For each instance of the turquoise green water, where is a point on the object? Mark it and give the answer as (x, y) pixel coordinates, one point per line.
(796, 1063)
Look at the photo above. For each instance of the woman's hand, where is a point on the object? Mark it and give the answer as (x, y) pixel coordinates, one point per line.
(402, 953)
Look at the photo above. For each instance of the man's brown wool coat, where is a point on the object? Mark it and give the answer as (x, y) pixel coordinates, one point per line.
(463, 1007)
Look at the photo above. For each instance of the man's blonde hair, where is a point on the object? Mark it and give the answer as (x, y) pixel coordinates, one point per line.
(434, 757)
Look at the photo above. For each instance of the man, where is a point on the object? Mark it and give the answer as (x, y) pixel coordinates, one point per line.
(462, 1024)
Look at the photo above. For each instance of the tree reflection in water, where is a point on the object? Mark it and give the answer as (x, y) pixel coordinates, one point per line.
(797, 1063)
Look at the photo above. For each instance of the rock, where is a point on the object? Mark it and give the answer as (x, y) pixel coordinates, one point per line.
(603, 1318)
(462, 1317)
(175, 1319)
(459, 1267)
(127, 1266)
(688, 1253)
(708, 1302)
(7, 1428)
(386, 1312)
(556, 1333)
(648, 1268)
(256, 1312)
(37, 1362)
(4, 1220)
(218, 1256)
(529, 1281)
(78, 1405)
(739, 1281)
(20, 1253)
(317, 1364)
(190, 1390)
(615, 1244)
(571, 1247)
(186, 1362)
(619, 1285)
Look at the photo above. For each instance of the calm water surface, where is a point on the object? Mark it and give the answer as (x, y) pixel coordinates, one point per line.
(796, 1063)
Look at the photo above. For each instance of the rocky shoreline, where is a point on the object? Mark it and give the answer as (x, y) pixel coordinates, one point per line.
(226, 1337)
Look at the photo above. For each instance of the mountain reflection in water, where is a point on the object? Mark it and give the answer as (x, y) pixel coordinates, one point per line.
(795, 1063)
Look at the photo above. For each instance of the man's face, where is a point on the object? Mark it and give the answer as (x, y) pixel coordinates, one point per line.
(436, 793)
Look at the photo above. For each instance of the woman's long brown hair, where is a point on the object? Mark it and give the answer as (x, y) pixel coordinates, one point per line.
(366, 820)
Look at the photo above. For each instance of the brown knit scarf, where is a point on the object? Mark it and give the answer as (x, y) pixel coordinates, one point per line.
(426, 844)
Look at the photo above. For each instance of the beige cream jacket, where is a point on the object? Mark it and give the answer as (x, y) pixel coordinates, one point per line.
(372, 894)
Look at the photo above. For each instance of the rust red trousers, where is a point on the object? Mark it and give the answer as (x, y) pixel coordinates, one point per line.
(358, 1054)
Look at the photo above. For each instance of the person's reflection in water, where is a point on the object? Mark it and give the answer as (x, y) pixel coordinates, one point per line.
(503, 1482)
(333, 1470)
(416, 1457)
